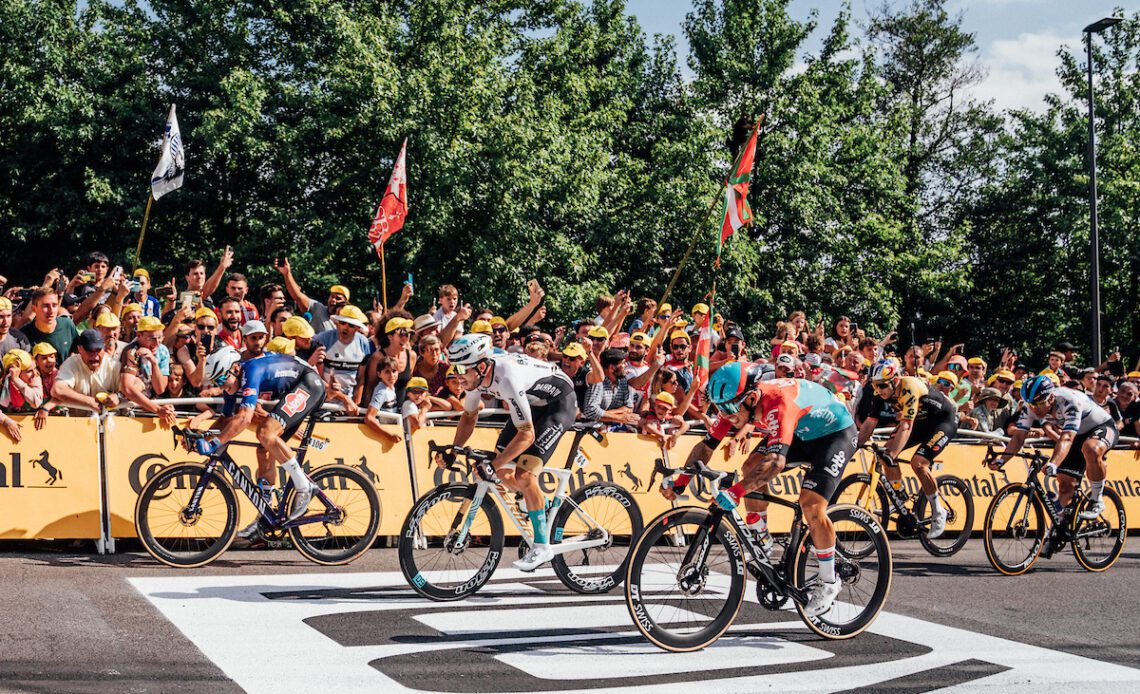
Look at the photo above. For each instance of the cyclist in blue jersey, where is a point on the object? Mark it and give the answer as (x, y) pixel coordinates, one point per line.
(300, 392)
(800, 421)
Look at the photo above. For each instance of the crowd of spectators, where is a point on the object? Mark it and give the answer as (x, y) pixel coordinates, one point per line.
(105, 337)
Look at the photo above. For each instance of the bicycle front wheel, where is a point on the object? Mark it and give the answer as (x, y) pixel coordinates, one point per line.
(177, 533)
(958, 501)
(349, 512)
(856, 490)
(866, 577)
(596, 512)
(1014, 529)
(682, 598)
(1097, 543)
(439, 564)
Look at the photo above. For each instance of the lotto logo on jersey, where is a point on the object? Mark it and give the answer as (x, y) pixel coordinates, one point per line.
(295, 402)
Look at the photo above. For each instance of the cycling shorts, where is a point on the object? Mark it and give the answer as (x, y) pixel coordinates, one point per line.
(1074, 463)
(932, 435)
(550, 422)
(827, 455)
(298, 402)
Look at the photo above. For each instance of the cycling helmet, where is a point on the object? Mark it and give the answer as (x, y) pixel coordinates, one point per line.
(885, 371)
(219, 363)
(730, 383)
(1036, 388)
(470, 349)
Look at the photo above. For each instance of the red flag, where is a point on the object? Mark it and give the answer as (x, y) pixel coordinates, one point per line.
(393, 206)
(704, 352)
(735, 211)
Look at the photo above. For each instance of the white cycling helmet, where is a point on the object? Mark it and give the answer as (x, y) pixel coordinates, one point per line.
(219, 363)
(470, 349)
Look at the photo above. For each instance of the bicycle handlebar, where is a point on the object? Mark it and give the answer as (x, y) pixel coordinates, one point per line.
(699, 469)
(1036, 459)
(880, 453)
(450, 452)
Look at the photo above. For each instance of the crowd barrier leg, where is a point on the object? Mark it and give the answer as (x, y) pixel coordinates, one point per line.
(105, 544)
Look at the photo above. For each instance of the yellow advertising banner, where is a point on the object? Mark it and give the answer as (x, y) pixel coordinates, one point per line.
(137, 449)
(49, 482)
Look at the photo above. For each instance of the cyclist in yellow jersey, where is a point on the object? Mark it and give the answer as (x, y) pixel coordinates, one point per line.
(926, 418)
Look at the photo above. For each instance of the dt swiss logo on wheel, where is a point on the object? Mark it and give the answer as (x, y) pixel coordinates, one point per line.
(295, 402)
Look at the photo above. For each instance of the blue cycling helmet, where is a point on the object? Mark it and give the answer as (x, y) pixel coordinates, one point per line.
(730, 383)
(1036, 388)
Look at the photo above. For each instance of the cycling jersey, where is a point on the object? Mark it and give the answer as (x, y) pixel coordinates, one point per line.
(271, 375)
(522, 383)
(791, 408)
(914, 400)
(1072, 411)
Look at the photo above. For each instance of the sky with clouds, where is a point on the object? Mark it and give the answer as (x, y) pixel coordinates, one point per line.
(1017, 40)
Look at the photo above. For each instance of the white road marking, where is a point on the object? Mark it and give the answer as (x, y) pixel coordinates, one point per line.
(264, 645)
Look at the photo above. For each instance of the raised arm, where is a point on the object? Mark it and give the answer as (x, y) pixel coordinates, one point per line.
(215, 280)
(292, 287)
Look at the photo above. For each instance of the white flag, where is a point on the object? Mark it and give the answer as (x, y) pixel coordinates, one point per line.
(168, 174)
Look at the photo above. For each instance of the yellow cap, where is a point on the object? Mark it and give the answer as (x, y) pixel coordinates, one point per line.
(679, 335)
(949, 376)
(640, 339)
(130, 308)
(976, 360)
(42, 348)
(455, 370)
(663, 309)
(1133, 374)
(700, 307)
(666, 398)
(281, 345)
(149, 323)
(599, 332)
(205, 312)
(417, 383)
(140, 271)
(297, 326)
(5, 303)
(498, 320)
(482, 327)
(340, 289)
(574, 350)
(18, 357)
(353, 316)
(107, 320)
(397, 323)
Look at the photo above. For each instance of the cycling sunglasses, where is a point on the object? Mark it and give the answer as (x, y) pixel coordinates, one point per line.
(944, 382)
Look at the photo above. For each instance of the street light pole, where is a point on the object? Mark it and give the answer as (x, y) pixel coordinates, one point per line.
(1094, 235)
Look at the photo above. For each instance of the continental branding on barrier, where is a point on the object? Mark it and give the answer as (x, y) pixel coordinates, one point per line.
(12, 473)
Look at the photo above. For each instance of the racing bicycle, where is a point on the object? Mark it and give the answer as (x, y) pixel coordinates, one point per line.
(187, 514)
(686, 579)
(910, 513)
(452, 539)
(1024, 523)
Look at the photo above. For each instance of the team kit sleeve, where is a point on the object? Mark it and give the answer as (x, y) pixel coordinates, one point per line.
(908, 402)
(786, 414)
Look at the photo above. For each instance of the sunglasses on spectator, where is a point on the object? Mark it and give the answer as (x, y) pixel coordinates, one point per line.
(499, 329)
(1005, 381)
(206, 326)
(182, 336)
(679, 345)
(944, 382)
(598, 339)
(402, 332)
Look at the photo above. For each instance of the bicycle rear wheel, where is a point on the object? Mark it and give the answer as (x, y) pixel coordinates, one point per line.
(1097, 543)
(866, 578)
(435, 562)
(958, 502)
(1014, 529)
(856, 490)
(349, 512)
(595, 511)
(176, 534)
(677, 601)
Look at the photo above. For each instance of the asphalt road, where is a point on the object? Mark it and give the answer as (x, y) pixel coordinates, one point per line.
(270, 620)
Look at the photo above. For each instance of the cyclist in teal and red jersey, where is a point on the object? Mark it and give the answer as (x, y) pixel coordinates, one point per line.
(799, 421)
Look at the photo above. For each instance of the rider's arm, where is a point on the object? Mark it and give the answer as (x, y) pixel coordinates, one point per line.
(466, 424)
(1061, 447)
(899, 437)
(867, 428)
(1016, 439)
(236, 424)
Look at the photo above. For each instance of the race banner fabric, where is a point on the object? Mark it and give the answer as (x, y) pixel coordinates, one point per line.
(393, 207)
(167, 175)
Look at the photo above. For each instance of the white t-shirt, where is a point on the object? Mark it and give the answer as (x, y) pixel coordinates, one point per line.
(82, 380)
(383, 398)
(344, 360)
(444, 319)
(409, 408)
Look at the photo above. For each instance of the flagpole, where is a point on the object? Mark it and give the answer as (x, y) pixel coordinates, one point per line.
(146, 218)
(383, 279)
(704, 220)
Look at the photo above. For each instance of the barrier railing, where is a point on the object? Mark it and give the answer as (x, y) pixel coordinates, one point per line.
(79, 476)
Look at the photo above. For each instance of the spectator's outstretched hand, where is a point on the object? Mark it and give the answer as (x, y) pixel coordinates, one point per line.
(227, 258)
(463, 312)
(283, 267)
(13, 429)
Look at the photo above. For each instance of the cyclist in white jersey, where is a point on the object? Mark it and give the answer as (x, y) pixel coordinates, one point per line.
(1088, 432)
(542, 406)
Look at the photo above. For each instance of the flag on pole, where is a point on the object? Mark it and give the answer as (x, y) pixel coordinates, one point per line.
(167, 175)
(704, 353)
(735, 212)
(393, 207)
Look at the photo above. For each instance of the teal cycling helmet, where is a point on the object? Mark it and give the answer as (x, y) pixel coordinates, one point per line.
(730, 383)
(1036, 388)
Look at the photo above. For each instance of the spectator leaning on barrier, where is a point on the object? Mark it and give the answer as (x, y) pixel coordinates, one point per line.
(985, 413)
(417, 405)
(574, 365)
(10, 338)
(48, 326)
(661, 422)
(346, 352)
(383, 399)
(611, 400)
(1129, 408)
(47, 366)
(449, 398)
(87, 374)
(395, 342)
(145, 365)
(21, 389)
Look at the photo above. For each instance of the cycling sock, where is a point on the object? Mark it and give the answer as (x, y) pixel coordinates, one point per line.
(538, 520)
(935, 503)
(1095, 490)
(295, 473)
(826, 559)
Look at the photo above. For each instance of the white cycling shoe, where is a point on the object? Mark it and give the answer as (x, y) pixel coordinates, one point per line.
(301, 500)
(821, 598)
(937, 526)
(1093, 510)
(536, 557)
